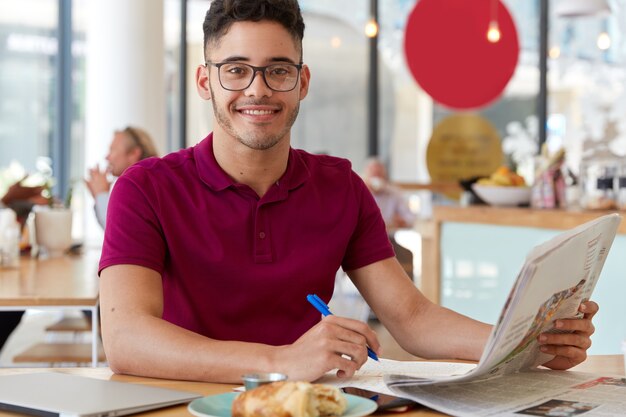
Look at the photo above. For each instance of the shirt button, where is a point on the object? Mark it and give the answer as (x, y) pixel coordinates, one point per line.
(262, 235)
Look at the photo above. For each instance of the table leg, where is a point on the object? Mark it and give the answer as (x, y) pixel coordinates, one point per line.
(94, 336)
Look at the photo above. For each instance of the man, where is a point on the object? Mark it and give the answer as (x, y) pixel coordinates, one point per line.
(127, 147)
(211, 251)
(393, 206)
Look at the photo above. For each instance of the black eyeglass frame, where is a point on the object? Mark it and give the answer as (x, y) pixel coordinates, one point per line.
(255, 69)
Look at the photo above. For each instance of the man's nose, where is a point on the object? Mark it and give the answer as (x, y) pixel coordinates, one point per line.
(258, 87)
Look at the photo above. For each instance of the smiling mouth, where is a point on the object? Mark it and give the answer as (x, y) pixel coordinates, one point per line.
(258, 112)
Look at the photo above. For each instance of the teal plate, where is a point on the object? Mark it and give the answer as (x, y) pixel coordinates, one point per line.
(220, 405)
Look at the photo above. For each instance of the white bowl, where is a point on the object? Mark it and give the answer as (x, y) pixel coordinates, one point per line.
(496, 195)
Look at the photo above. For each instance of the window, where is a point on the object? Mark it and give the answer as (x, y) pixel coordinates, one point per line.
(28, 54)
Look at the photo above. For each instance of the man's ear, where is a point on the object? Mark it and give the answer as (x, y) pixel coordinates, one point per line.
(202, 82)
(135, 153)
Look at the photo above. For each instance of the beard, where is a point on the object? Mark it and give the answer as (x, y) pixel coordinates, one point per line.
(256, 139)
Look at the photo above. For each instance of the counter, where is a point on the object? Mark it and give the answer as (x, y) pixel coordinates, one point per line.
(471, 257)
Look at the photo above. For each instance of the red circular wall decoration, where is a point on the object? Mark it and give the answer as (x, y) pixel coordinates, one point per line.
(449, 55)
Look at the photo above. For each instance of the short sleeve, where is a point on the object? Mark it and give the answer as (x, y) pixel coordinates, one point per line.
(369, 242)
(133, 233)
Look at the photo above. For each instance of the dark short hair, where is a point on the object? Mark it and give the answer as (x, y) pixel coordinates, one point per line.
(223, 13)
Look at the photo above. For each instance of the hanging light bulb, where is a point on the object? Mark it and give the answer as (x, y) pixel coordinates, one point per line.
(371, 28)
(604, 41)
(554, 52)
(493, 33)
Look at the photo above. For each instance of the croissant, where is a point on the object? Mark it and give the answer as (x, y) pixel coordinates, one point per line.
(290, 399)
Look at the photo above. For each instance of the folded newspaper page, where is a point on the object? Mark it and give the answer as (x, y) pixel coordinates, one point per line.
(555, 278)
(370, 376)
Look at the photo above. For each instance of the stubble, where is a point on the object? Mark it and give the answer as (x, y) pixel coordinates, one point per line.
(255, 139)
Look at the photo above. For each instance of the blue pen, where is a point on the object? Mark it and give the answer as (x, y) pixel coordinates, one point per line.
(321, 306)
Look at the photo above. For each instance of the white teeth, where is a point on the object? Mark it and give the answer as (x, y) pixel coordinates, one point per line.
(257, 112)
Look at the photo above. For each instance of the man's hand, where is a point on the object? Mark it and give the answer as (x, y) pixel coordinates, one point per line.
(570, 348)
(334, 343)
(18, 192)
(97, 182)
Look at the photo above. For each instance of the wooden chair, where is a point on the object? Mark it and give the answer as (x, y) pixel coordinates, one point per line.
(75, 353)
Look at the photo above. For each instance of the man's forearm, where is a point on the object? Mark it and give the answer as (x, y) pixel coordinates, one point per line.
(440, 333)
(149, 346)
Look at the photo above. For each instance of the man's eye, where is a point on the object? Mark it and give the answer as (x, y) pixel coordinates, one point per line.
(280, 71)
(236, 70)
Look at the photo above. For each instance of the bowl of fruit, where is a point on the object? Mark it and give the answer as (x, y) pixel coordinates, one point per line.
(503, 188)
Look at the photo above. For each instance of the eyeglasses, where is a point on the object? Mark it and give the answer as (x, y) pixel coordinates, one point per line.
(236, 76)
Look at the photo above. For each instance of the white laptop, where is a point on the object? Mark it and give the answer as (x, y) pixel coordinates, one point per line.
(63, 395)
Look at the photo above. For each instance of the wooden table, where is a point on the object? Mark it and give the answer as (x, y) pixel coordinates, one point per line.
(66, 282)
(606, 365)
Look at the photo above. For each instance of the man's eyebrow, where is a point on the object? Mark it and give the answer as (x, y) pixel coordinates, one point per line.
(282, 59)
(237, 58)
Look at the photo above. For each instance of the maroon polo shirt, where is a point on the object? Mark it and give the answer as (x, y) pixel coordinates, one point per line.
(235, 266)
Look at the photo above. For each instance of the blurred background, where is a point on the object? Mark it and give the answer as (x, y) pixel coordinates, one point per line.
(72, 71)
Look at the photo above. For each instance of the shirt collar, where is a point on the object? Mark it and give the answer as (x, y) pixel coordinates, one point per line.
(209, 170)
(213, 175)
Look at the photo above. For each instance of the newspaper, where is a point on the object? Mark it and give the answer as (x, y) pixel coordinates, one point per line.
(556, 277)
(535, 392)
(530, 393)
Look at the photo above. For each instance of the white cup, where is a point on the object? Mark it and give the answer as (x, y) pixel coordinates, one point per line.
(252, 381)
(53, 231)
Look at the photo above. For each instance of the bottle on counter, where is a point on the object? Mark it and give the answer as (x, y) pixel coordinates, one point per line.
(621, 188)
(9, 239)
(599, 184)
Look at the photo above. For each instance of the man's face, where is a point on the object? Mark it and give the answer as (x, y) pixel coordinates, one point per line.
(257, 117)
(121, 154)
(375, 176)
(376, 169)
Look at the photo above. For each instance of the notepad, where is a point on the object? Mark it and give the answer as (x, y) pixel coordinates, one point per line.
(64, 395)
